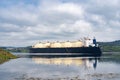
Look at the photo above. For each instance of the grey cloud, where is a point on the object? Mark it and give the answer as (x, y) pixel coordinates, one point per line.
(6, 27)
(61, 20)
(17, 15)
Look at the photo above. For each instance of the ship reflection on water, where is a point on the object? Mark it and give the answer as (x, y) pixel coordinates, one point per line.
(85, 62)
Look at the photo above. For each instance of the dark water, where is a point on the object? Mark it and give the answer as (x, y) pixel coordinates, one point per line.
(106, 67)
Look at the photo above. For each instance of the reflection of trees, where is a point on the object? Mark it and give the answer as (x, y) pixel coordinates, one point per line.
(111, 57)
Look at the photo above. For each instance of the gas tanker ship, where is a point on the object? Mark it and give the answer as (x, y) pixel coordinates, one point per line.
(83, 47)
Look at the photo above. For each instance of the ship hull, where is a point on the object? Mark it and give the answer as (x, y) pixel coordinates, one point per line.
(72, 51)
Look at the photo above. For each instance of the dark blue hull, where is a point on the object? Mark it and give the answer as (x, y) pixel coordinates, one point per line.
(72, 51)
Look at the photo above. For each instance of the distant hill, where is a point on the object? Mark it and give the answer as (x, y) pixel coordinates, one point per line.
(113, 46)
(110, 46)
(16, 49)
(114, 43)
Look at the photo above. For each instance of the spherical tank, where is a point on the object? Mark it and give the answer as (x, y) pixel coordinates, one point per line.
(77, 44)
(66, 44)
(55, 44)
(38, 45)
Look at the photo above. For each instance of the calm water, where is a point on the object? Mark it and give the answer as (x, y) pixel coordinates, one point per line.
(75, 68)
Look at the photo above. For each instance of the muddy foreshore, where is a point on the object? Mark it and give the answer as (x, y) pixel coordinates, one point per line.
(97, 76)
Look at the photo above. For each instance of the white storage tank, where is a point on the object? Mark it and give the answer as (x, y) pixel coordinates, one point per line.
(66, 44)
(47, 44)
(77, 44)
(55, 45)
(38, 45)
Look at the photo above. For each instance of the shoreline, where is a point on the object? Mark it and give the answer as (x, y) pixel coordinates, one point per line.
(5, 56)
(98, 76)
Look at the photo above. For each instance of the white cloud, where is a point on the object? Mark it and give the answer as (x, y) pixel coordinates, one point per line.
(22, 24)
(69, 8)
(115, 23)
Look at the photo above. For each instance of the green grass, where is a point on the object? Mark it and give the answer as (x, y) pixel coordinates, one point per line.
(107, 48)
(5, 56)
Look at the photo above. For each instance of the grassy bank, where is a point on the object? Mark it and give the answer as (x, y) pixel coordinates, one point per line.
(106, 48)
(5, 56)
(110, 46)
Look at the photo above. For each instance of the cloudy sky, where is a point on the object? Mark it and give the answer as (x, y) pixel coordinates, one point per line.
(24, 22)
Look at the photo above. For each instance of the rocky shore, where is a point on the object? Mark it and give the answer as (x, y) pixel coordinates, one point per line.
(5, 56)
(96, 76)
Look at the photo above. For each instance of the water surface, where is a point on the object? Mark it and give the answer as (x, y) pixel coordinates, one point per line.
(83, 68)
